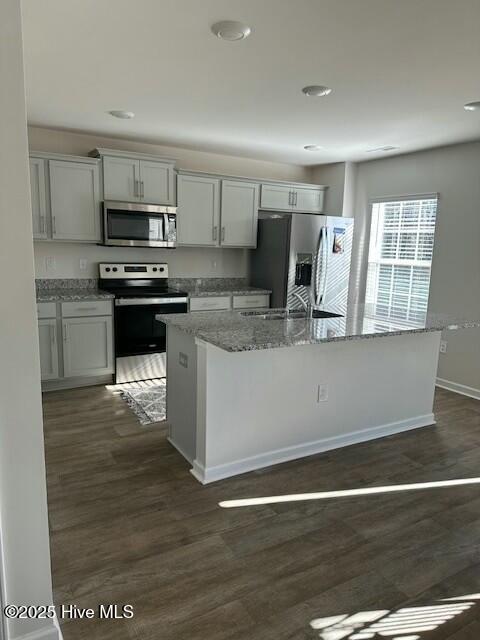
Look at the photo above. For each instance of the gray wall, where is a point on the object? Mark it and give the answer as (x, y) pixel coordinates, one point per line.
(23, 508)
(454, 173)
(183, 262)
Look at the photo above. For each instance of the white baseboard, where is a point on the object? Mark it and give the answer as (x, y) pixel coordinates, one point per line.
(52, 632)
(471, 392)
(206, 475)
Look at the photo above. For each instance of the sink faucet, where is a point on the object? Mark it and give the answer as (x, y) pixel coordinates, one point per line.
(306, 305)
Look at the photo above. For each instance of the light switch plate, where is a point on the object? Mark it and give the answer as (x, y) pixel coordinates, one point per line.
(50, 263)
(183, 359)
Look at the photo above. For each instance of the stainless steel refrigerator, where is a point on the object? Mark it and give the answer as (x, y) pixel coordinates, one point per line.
(303, 259)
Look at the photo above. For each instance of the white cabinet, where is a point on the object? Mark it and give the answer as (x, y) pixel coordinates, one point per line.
(74, 200)
(38, 197)
(254, 301)
(157, 182)
(239, 213)
(121, 178)
(277, 197)
(210, 303)
(87, 346)
(198, 210)
(137, 177)
(213, 212)
(47, 337)
(308, 199)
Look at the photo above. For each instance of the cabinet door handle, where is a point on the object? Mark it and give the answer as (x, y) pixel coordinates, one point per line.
(214, 235)
(135, 188)
(64, 332)
(54, 225)
(223, 234)
(296, 196)
(290, 198)
(143, 189)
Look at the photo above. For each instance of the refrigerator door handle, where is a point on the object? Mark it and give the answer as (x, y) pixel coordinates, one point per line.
(327, 254)
(317, 266)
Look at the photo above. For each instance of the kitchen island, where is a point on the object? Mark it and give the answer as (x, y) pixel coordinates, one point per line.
(246, 390)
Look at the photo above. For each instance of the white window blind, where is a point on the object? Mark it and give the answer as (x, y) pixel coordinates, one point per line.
(400, 257)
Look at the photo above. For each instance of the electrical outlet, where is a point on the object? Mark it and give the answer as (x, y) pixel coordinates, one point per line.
(443, 346)
(214, 265)
(322, 393)
(183, 359)
(50, 263)
(83, 264)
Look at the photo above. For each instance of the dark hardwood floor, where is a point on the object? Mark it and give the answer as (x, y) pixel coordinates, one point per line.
(130, 525)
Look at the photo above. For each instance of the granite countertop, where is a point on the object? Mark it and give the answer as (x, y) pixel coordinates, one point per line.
(237, 291)
(232, 331)
(75, 294)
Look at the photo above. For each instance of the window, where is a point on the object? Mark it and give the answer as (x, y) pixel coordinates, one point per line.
(400, 257)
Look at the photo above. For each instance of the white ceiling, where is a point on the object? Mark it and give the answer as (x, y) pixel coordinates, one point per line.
(400, 70)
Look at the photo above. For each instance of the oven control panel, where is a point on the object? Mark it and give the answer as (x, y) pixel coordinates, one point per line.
(132, 270)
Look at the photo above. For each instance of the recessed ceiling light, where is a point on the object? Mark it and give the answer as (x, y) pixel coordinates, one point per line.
(231, 30)
(316, 91)
(386, 148)
(472, 106)
(313, 147)
(123, 115)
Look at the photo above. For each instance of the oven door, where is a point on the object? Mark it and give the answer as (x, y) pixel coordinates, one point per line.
(140, 340)
(139, 225)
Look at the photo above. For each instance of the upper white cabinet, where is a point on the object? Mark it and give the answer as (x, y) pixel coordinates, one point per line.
(157, 182)
(120, 178)
(308, 199)
(74, 198)
(216, 213)
(198, 212)
(239, 213)
(278, 197)
(137, 177)
(38, 197)
(65, 193)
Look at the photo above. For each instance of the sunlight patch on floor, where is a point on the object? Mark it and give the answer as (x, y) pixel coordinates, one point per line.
(324, 495)
(406, 623)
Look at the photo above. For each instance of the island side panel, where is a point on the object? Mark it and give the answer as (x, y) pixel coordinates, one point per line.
(266, 410)
(182, 391)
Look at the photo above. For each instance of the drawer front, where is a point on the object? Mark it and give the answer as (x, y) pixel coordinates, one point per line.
(46, 309)
(211, 303)
(259, 301)
(86, 308)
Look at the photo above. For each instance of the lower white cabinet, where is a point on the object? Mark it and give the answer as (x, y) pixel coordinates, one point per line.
(210, 303)
(256, 301)
(87, 346)
(75, 339)
(47, 337)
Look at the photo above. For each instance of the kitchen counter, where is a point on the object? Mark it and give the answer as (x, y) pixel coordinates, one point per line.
(235, 331)
(237, 400)
(67, 295)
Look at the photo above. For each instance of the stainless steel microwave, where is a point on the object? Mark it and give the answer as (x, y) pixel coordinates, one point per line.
(127, 224)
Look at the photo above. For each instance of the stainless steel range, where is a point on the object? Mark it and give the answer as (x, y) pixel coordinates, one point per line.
(141, 291)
